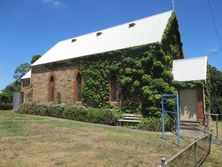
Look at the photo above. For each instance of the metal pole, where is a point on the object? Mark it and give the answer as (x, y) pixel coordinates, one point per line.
(204, 104)
(217, 125)
(208, 118)
(178, 120)
(195, 153)
(173, 4)
(210, 140)
(163, 117)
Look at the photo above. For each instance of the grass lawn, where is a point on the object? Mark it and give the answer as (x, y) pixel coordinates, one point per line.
(215, 158)
(27, 140)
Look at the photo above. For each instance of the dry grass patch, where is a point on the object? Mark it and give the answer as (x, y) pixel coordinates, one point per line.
(42, 141)
(215, 158)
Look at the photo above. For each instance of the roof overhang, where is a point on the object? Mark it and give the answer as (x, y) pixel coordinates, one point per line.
(191, 69)
(27, 75)
(135, 33)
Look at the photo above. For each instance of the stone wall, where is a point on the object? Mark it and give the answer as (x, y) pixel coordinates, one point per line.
(26, 90)
(65, 78)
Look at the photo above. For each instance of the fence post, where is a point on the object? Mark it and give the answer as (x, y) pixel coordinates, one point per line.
(208, 118)
(217, 125)
(163, 127)
(195, 152)
(210, 142)
(163, 162)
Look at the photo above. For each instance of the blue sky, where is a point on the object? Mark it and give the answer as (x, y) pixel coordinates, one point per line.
(29, 27)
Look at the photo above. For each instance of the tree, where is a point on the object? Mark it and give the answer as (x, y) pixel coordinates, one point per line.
(21, 71)
(35, 58)
(7, 93)
(215, 89)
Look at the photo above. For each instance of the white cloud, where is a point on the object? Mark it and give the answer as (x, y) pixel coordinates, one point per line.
(54, 3)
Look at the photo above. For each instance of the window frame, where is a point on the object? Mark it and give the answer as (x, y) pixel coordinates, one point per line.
(50, 87)
(78, 89)
(111, 87)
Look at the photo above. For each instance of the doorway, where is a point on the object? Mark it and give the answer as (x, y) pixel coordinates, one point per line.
(188, 104)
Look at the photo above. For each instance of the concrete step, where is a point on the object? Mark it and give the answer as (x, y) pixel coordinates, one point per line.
(190, 128)
(191, 125)
(191, 133)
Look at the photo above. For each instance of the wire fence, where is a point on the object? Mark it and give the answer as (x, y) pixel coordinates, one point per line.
(191, 156)
(214, 124)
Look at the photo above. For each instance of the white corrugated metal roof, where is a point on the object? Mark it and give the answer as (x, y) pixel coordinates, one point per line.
(27, 75)
(145, 31)
(190, 69)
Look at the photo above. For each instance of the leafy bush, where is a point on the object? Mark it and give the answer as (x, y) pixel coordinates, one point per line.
(93, 115)
(6, 106)
(154, 124)
(103, 116)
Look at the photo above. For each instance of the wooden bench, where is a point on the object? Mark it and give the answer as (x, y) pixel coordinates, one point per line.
(130, 118)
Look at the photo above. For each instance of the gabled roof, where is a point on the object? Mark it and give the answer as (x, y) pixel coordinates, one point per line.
(27, 75)
(139, 32)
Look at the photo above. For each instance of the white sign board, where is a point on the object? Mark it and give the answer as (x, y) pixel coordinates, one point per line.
(191, 69)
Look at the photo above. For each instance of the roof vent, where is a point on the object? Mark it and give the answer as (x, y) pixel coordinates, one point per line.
(132, 25)
(74, 40)
(98, 34)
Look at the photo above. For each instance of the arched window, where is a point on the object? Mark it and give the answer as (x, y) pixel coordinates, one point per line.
(113, 88)
(79, 87)
(51, 88)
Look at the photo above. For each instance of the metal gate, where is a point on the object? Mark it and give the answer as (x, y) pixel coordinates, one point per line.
(17, 100)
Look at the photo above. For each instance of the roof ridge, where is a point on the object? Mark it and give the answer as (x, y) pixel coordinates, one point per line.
(146, 31)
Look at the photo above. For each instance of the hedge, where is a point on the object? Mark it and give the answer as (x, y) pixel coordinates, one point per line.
(6, 106)
(78, 113)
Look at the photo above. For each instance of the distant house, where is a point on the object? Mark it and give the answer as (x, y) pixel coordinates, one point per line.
(128, 65)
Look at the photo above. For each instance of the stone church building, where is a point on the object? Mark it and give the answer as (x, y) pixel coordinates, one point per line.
(56, 71)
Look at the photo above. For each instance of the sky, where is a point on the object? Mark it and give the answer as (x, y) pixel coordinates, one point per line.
(29, 27)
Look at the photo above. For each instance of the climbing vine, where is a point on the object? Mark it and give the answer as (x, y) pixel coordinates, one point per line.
(171, 41)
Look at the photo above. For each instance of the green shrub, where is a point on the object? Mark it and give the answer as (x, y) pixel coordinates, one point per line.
(154, 124)
(6, 106)
(74, 113)
(93, 115)
(103, 116)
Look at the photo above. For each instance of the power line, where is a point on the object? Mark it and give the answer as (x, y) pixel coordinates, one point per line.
(215, 25)
(213, 55)
(214, 52)
(173, 4)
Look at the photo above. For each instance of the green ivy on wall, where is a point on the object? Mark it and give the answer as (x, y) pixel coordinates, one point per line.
(171, 41)
(144, 73)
